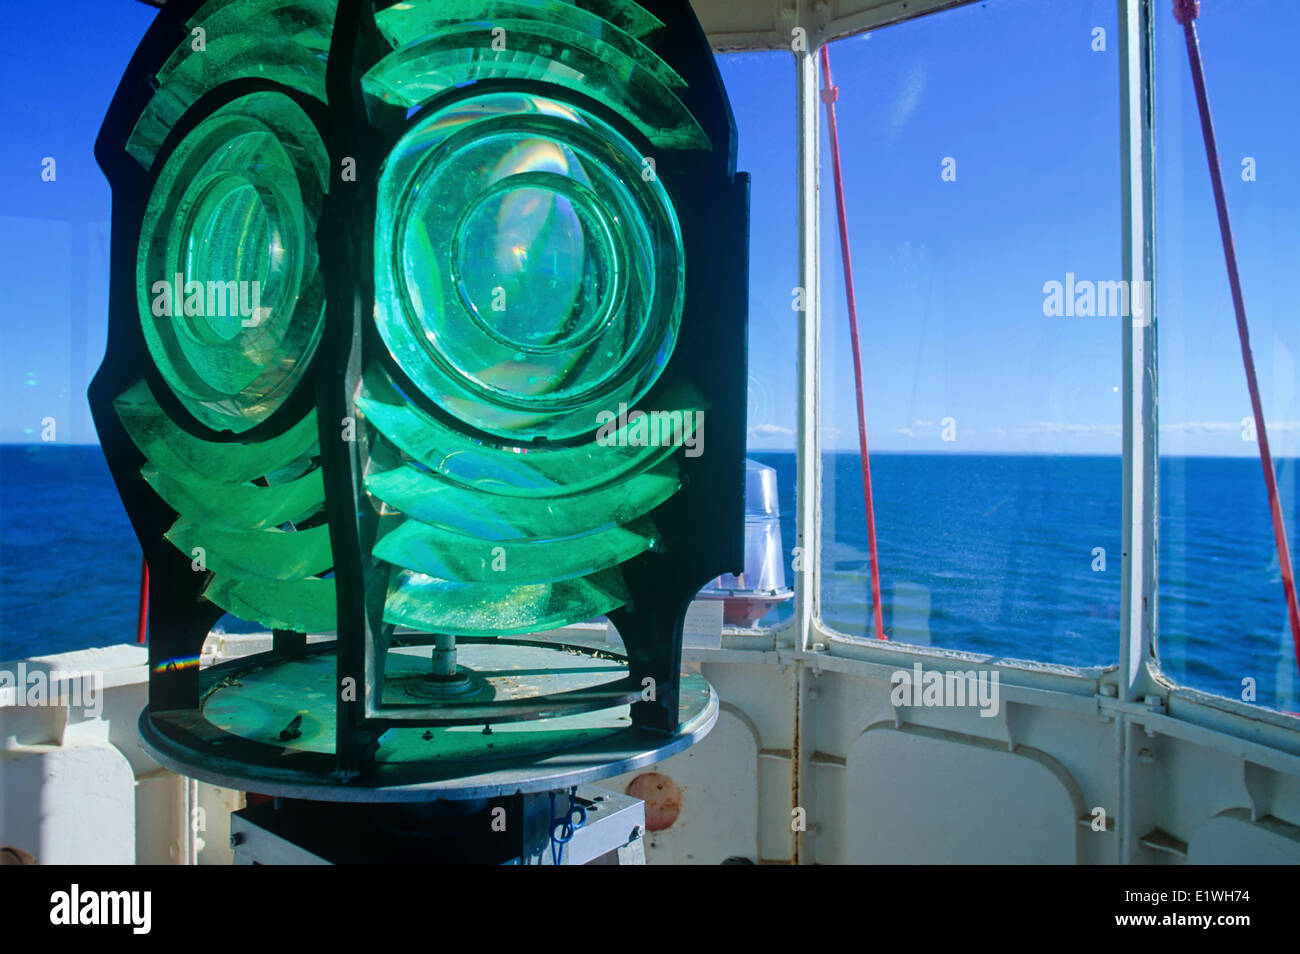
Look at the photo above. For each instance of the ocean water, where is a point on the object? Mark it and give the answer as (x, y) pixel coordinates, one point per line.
(1003, 554)
(69, 560)
(991, 554)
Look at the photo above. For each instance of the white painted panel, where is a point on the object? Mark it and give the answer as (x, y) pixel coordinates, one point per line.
(73, 804)
(720, 772)
(917, 797)
(766, 24)
(1231, 838)
(160, 818)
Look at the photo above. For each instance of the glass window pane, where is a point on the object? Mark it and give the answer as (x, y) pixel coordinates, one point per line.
(69, 561)
(980, 151)
(762, 91)
(1223, 623)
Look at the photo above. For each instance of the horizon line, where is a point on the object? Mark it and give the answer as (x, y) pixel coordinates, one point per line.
(892, 452)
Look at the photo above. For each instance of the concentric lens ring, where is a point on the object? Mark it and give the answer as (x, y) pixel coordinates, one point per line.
(229, 293)
(593, 221)
(528, 275)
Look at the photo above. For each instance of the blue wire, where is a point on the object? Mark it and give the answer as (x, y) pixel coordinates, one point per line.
(562, 828)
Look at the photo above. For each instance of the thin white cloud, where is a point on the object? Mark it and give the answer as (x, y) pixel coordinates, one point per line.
(1175, 427)
(1221, 427)
(1059, 427)
(1200, 427)
(908, 99)
(771, 430)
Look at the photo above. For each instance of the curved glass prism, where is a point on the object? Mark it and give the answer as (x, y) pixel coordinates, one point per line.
(176, 452)
(308, 23)
(462, 559)
(268, 554)
(306, 606)
(239, 506)
(501, 519)
(293, 62)
(628, 15)
(410, 23)
(405, 22)
(483, 609)
(422, 71)
(518, 471)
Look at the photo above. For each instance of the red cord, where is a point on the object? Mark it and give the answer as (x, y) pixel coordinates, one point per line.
(829, 94)
(1185, 12)
(142, 617)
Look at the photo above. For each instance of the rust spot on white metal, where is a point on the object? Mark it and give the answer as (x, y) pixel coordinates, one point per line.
(662, 797)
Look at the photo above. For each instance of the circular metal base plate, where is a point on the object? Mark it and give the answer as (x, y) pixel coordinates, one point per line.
(269, 727)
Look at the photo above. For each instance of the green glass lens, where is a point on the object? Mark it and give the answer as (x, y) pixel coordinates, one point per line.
(528, 275)
(230, 297)
(537, 239)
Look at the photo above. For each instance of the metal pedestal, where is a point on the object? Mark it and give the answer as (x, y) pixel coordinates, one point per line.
(267, 724)
(513, 830)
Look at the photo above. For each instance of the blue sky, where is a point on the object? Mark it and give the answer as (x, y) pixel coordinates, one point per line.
(58, 72)
(949, 274)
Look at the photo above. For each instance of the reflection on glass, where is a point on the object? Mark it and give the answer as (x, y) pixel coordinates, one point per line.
(762, 92)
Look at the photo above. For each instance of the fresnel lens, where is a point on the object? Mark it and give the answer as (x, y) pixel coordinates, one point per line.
(427, 330)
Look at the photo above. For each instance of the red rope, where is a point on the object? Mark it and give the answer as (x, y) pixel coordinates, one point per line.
(1185, 12)
(830, 93)
(142, 617)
